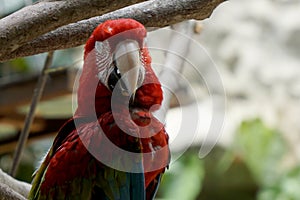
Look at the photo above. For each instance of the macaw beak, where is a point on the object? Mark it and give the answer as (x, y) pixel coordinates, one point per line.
(128, 61)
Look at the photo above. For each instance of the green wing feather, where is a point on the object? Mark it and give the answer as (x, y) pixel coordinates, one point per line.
(119, 185)
(38, 178)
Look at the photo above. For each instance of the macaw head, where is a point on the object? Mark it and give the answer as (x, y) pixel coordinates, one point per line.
(116, 59)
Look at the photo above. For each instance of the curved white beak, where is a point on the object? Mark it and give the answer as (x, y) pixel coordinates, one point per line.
(127, 57)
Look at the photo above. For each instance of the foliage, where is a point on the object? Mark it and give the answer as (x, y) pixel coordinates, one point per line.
(251, 168)
(184, 178)
(286, 188)
(261, 148)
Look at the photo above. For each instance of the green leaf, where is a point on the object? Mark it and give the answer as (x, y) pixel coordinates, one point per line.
(261, 148)
(184, 179)
(20, 65)
(286, 188)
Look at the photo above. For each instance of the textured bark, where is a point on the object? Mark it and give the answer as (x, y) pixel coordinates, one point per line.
(11, 188)
(153, 13)
(6, 193)
(40, 18)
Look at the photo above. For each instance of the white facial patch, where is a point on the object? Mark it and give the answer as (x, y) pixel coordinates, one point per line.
(103, 60)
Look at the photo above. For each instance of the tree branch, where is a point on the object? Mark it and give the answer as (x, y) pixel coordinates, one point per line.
(6, 193)
(152, 13)
(10, 187)
(40, 18)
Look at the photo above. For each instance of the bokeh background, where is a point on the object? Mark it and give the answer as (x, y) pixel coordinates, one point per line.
(254, 45)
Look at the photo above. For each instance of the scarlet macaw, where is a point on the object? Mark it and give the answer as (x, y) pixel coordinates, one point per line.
(116, 81)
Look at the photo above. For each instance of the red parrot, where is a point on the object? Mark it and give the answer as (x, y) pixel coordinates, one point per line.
(113, 147)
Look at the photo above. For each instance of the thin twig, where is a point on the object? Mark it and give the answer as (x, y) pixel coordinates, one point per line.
(29, 117)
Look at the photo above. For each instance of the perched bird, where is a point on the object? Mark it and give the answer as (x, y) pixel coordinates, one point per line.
(113, 147)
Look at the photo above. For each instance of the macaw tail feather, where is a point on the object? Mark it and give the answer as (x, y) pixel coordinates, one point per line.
(130, 187)
(120, 185)
(137, 186)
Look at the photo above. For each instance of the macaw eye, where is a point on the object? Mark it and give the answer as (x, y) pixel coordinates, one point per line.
(113, 77)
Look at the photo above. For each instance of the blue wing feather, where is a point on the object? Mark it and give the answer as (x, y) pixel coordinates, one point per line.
(137, 181)
(137, 186)
(133, 188)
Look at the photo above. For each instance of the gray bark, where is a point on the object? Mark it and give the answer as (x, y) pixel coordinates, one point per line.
(40, 18)
(153, 13)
